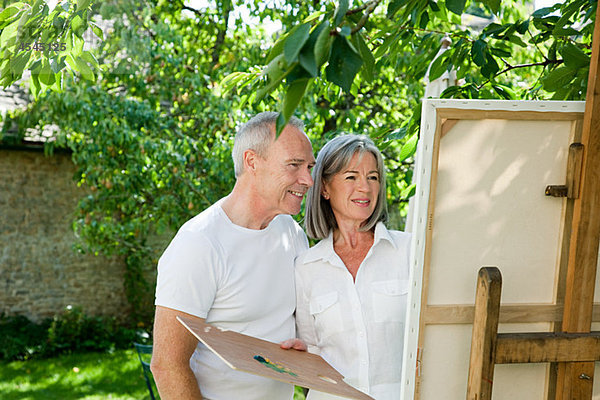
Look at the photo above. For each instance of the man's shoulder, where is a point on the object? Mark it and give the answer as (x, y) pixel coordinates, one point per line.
(206, 221)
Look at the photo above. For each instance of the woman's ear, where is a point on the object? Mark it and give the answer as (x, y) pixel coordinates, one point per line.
(325, 194)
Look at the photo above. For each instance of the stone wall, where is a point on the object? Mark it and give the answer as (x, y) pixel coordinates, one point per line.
(40, 273)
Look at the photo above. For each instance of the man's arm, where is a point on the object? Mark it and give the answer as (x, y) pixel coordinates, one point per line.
(172, 349)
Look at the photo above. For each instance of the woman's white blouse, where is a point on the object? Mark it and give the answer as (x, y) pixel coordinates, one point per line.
(357, 327)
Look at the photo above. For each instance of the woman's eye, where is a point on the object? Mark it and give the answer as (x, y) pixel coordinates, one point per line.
(374, 178)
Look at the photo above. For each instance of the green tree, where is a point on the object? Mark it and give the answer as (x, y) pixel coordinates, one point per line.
(151, 127)
(519, 54)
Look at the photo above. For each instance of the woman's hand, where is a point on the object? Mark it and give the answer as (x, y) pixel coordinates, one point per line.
(295, 344)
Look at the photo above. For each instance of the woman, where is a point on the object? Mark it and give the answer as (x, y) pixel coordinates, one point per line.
(352, 286)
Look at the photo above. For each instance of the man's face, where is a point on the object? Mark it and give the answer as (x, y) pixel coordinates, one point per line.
(284, 172)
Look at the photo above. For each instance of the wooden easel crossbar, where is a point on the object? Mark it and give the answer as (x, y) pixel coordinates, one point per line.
(489, 348)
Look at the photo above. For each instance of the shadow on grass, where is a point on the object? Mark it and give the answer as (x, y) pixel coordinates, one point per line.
(78, 376)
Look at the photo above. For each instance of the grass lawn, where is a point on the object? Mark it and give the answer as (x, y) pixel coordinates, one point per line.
(78, 376)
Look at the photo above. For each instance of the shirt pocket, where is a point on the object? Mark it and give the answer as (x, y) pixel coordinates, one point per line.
(389, 300)
(327, 314)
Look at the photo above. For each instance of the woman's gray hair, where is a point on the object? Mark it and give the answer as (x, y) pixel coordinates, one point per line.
(332, 159)
(257, 134)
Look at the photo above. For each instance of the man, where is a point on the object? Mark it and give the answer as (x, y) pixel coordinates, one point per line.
(233, 266)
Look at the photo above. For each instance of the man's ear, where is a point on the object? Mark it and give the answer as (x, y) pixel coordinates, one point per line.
(250, 160)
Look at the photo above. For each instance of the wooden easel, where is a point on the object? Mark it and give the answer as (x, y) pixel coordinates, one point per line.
(573, 347)
(488, 347)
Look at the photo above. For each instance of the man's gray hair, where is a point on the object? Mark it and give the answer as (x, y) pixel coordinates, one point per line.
(257, 134)
(332, 159)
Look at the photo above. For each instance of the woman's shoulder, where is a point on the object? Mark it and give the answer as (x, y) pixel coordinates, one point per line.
(318, 252)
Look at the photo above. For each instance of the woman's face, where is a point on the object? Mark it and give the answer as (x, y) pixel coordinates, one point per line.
(353, 191)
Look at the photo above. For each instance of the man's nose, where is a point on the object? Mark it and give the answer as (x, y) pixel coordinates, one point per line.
(306, 178)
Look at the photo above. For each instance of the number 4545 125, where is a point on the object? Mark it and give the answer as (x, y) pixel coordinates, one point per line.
(43, 46)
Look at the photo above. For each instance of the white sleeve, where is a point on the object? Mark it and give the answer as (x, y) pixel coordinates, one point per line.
(188, 274)
(305, 324)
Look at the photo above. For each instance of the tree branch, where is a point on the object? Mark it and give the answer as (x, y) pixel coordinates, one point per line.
(369, 8)
(216, 50)
(511, 67)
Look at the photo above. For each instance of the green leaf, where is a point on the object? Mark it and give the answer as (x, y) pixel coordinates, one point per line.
(97, 31)
(313, 16)
(46, 76)
(504, 91)
(340, 13)
(307, 61)
(522, 27)
(344, 64)
(83, 4)
(424, 20)
(439, 66)
(295, 41)
(433, 5)
(500, 52)
(573, 56)
(542, 12)
(9, 35)
(558, 78)
(78, 25)
(494, 29)
(456, 6)
(323, 45)
(18, 63)
(10, 11)
(490, 68)
(90, 58)
(366, 55)
(35, 86)
(494, 5)
(398, 134)
(394, 6)
(560, 31)
(276, 49)
(388, 41)
(478, 52)
(408, 149)
(293, 95)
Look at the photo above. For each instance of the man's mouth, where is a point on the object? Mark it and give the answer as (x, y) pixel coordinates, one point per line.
(297, 194)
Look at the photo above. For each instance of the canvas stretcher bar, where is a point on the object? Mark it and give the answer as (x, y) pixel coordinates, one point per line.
(482, 170)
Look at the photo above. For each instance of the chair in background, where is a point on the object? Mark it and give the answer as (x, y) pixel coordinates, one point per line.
(144, 352)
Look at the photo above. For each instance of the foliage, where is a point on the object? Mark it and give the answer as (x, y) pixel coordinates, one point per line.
(68, 332)
(48, 43)
(151, 132)
(341, 42)
(91, 376)
(20, 338)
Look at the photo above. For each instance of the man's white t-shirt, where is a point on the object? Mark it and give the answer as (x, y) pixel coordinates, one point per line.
(238, 279)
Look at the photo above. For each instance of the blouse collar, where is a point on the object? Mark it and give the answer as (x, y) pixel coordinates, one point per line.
(324, 249)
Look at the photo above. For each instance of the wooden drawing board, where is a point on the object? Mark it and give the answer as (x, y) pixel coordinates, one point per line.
(482, 169)
(247, 353)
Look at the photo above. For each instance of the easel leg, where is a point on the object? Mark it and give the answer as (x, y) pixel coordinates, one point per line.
(485, 334)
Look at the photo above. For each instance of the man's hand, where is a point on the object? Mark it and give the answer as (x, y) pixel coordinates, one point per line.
(295, 344)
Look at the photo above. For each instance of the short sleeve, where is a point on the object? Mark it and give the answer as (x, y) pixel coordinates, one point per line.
(301, 239)
(188, 274)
